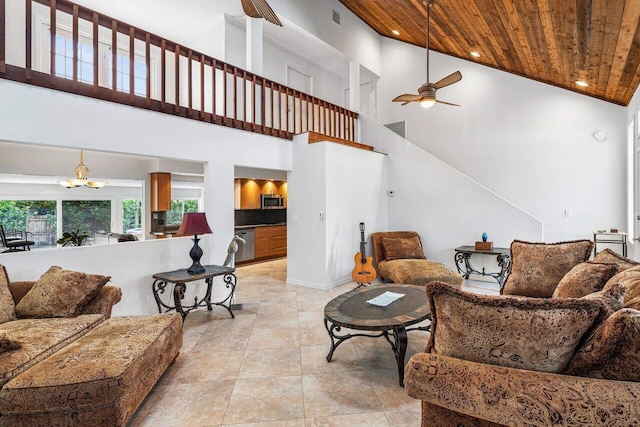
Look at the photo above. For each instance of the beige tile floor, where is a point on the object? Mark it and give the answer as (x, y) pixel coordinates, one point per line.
(267, 366)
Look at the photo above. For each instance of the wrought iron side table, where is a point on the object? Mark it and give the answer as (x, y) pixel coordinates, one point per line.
(181, 277)
(616, 238)
(463, 255)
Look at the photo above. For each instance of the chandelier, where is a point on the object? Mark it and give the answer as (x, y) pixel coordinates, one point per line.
(82, 177)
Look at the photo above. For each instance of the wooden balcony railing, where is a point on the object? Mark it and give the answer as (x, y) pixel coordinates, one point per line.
(90, 54)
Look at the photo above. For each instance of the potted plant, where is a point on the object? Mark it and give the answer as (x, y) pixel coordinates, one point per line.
(74, 238)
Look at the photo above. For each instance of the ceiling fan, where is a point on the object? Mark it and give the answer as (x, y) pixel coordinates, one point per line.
(427, 92)
(260, 9)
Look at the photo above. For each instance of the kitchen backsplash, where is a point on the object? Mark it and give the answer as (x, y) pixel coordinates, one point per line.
(260, 216)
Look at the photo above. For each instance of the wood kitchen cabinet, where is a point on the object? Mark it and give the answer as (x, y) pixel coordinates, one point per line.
(160, 191)
(250, 190)
(270, 241)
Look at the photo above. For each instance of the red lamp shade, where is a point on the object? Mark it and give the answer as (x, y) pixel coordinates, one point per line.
(194, 223)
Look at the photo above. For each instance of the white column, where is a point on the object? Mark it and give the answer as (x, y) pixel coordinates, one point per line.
(354, 86)
(254, 42)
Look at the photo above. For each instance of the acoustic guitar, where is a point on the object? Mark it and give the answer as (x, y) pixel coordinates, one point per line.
(363, 272)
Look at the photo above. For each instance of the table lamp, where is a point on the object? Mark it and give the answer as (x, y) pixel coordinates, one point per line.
(193, 224)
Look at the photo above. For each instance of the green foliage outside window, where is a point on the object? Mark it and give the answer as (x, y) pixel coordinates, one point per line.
(131, 214)
(86, 216)
(15, 214)
(180, 207)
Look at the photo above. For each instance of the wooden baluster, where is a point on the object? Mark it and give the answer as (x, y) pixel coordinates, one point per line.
(300, 113)
(114, 58)
(263, 104)
(27, 52)
(253, 102)
(286, 109)
(273, 126)
(96, 59)
(75, 38)
(189, 84)
(147, 60)
(244, 99)
(163, 74)
(202, 87)
(214, 66)
(235, 96)
(132, 61)
(3, 39)
(281, 126)
(224, 97)
(177, 84)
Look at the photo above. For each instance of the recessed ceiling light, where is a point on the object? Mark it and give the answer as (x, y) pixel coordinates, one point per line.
(475, 54)
(395, 32)
(582, 83)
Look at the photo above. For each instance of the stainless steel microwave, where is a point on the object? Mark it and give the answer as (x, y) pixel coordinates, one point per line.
(271, 201)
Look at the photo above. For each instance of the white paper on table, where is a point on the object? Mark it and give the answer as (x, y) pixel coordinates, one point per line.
(385, 299)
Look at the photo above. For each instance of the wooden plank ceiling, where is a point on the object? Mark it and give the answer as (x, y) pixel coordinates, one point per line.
(553, 41)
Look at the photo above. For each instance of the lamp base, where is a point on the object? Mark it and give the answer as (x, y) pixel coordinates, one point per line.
(195, 253)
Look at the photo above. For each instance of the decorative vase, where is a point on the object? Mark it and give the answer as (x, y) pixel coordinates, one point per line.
(484, 237)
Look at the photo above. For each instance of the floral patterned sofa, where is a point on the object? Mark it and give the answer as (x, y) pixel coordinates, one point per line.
(561, 347)
(64, 361)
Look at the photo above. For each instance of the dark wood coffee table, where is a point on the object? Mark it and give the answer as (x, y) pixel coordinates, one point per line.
(351, 310)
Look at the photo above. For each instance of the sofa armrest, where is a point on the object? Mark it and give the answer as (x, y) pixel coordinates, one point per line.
(519, 397)
(104, 301)
(20, 289)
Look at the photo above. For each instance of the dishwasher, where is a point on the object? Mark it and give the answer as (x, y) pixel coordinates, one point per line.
(246, 251)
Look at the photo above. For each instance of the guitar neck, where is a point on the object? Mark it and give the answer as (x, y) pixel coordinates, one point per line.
(363, 254)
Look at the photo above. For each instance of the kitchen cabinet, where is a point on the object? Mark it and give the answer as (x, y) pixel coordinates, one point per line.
(270, 241)
(160, 191)
(250, 190)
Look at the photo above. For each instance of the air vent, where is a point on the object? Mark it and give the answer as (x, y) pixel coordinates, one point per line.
(336, 18)
(398, 127)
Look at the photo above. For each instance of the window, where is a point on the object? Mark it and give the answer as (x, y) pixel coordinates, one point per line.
(36, 217)
(64, 59)
(132, 216)
(179, 208)
(86, 216)
(122, 75)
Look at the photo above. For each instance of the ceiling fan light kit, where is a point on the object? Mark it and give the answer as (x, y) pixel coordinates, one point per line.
(427, 92)
(82, 177)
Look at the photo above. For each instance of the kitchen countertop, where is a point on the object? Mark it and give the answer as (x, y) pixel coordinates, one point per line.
(244, 227)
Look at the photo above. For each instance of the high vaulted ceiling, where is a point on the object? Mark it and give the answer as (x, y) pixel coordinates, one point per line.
(553, 41)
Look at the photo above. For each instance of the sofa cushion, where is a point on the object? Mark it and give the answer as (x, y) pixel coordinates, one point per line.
(40, 338)
(630, 280)
(612, 300)
(402, 248)
(7, 343)
(527, 333)
(537, 268)
(634, 303)
(611, 352)
(610, 257)
(584, 279)
(60, 293)
(417, 272)
(100, 379)
(7, 306)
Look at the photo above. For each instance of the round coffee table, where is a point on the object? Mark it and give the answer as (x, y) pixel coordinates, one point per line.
(351, 310)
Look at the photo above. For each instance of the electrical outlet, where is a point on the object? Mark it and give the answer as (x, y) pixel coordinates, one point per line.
(568, 213)
(321, 216)
(391, 193)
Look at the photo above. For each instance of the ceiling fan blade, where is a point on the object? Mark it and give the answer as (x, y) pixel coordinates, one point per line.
(447, 103)
(266, 12)
(449, 80)
(406, 98)
(249, 9)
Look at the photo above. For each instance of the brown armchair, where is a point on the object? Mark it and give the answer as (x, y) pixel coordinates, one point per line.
(399, 257)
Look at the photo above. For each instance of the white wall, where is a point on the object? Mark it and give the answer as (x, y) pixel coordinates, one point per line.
(527, 141)
(444, 206)
(346, 186)
(105, 126)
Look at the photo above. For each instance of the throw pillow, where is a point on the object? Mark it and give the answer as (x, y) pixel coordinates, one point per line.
(612, 300)
(634, 303)
(527, 333)
(584, 279)
(611, 352)
(610, 257)
(537, 268)
(630, 280)
(402, 248)
(60, 293)
(7, 306)
(7, 344)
